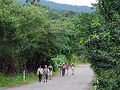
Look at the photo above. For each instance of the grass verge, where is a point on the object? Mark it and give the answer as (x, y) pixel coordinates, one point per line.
(18, 79)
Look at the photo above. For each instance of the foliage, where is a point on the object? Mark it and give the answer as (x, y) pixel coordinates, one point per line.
(57, 60)
(32, 35)
(103, 44)
(17, 80)
(21, 27)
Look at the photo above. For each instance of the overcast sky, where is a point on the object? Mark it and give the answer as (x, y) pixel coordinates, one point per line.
(75, 2)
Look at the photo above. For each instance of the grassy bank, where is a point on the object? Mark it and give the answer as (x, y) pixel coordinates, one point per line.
(18, 79)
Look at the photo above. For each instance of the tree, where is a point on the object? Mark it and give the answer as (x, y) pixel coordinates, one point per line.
(33, 2)
(21, 26)
(103, 44)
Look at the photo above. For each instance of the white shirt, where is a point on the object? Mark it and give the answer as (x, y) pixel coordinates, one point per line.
(39, 70)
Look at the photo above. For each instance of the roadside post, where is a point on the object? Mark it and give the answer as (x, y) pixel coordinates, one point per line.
(24, 76)
(95, 87)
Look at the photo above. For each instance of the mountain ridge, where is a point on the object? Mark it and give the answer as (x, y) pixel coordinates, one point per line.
(57, 6)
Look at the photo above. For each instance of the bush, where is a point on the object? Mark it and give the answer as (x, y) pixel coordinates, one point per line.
(57, 60)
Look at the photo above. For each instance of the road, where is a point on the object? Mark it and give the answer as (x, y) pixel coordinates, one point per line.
(81, 80)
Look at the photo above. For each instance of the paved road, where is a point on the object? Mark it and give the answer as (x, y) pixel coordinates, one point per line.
(81, 80)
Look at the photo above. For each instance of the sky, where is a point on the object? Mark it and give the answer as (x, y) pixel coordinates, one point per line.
(75, 2)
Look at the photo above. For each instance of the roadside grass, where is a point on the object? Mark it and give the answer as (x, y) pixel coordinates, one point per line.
(55, 73)
(93, 84)
(93, 88)
(18, 79)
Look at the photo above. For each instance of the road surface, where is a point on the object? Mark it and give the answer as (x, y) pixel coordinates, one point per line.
(81, 80)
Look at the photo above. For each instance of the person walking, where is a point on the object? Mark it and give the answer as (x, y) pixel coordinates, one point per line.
(63, 70)
(60, 68)
(72, 68)
(50, 71)
(39, 73)
(46, 72)
(67, 68)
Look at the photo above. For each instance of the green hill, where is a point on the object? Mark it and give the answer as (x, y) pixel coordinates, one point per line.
(57, 6)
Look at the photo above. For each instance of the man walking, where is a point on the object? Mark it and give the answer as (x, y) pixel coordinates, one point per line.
(46, 72)
(63, 70)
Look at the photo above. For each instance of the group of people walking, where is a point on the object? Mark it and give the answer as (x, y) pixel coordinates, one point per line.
(47, 71)
(64, 69)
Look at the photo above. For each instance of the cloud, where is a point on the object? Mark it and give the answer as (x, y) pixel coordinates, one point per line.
(75, 2)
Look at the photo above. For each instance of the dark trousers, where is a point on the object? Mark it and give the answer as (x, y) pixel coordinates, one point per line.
(63, 71)
(40, 77)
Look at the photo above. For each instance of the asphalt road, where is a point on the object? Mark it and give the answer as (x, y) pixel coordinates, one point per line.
(81, 80)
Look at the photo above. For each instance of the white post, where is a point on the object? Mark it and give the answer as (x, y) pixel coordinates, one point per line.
(95, 87)
(23, 76)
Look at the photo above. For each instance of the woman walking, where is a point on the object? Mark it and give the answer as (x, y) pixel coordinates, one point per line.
(50, 70)
(46, 72)
(60, 68)
(39, 73)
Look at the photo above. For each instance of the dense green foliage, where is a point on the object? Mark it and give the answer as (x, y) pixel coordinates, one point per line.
(103, 44)
(33, 35)
(20, 29)
(57, 60)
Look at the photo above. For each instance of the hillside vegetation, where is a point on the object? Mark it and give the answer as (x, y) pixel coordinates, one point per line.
(33, 35)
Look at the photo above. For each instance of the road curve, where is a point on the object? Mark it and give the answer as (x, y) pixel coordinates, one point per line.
(81, 80)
